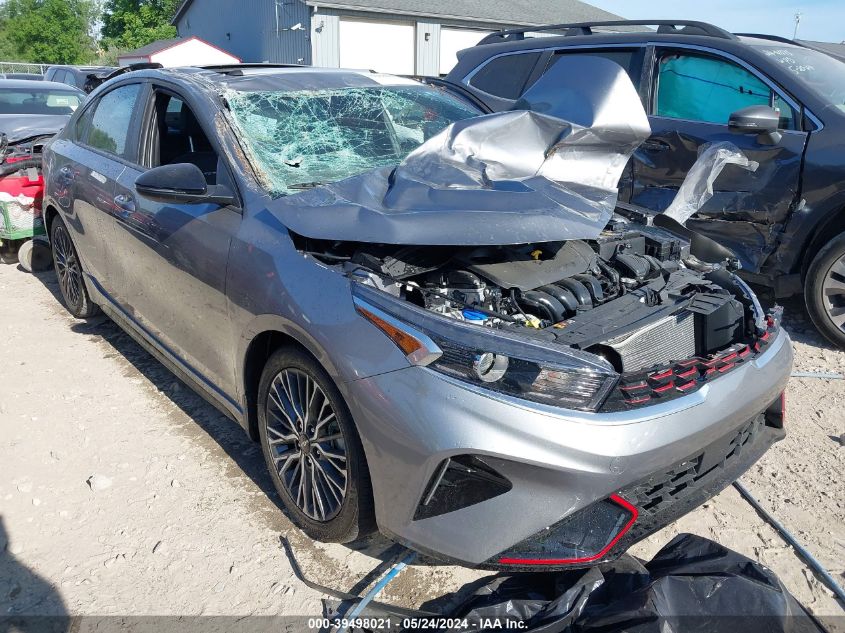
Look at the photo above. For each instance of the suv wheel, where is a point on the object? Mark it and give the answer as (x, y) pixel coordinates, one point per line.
(312, 449)
(69, 272)
(824, 290)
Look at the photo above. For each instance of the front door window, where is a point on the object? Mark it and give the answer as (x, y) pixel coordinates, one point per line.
(705, 89)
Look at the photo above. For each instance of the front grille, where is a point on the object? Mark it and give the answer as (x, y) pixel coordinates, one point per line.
(674, 379)
(666, 496)
(675, 484)
(671, 338)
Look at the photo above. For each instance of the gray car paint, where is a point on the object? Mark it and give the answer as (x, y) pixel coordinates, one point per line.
(408, 417)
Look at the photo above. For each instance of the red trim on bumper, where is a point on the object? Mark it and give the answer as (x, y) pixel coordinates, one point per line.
(572, 561)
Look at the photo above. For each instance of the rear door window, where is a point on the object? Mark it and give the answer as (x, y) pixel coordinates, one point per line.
(505, 76)
(112, 121)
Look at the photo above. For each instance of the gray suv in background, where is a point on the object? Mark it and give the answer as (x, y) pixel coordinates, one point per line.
(786, 221)
(77, 76)
(436, 324)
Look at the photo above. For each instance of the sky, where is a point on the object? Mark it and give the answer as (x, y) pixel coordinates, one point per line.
(822, 20)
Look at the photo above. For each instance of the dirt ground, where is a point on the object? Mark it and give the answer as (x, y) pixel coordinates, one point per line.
(124, 493)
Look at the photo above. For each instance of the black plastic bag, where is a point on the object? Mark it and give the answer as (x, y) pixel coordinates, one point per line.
(692, 584)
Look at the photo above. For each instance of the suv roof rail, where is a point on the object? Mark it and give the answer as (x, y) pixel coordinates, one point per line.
(689, 27)
(234, 69)
(772, 38)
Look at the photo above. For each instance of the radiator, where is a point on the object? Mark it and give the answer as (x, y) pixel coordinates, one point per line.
(669, 339)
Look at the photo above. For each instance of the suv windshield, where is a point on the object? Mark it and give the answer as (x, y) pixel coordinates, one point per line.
(302, 139)
(38, 101)
(823, 74)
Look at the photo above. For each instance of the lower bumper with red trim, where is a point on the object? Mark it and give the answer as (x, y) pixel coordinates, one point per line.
(604, 530)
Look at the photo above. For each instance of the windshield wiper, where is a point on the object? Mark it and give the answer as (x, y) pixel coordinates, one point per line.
(305, 185)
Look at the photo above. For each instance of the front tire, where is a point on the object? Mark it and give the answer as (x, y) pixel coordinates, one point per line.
(69, 272)
(312, 449)
(824, 290)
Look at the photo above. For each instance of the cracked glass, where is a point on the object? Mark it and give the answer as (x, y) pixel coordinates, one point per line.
(299, 140)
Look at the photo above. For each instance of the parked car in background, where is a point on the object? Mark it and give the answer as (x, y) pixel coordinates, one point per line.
(787, 221)
(77, 76)
(30, 114)
(29, 76)
(29, 108)
(438, 346)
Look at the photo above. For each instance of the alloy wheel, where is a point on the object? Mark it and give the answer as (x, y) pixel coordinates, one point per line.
(306, 444)
(833, 291)
(67, 266)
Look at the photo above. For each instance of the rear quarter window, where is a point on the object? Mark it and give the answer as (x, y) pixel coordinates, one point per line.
(627, 58)
(505, 76)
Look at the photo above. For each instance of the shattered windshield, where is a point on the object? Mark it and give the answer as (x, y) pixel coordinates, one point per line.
(302, 139)
(820, 72)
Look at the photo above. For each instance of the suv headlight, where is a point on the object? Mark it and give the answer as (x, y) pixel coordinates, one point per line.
(498, 360)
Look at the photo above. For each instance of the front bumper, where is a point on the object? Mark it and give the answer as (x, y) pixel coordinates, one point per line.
(556, 462)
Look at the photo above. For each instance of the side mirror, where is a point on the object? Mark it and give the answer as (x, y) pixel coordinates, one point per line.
(182, 183)
(759, 119)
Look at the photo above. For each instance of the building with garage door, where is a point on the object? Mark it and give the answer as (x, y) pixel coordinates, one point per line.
(395, 36)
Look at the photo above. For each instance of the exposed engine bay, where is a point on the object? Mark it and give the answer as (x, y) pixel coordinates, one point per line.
(636, 296)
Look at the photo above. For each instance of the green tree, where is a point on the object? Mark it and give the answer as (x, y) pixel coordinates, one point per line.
(48, 31)
(8, 52)
(129, 24)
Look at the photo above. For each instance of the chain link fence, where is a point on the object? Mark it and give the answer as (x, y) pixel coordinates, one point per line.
(21, 67)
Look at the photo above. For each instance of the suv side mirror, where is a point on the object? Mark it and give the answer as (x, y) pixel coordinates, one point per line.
(182, 183)
(759, 119)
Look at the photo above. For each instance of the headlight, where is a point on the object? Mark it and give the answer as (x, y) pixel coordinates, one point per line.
(498, 360)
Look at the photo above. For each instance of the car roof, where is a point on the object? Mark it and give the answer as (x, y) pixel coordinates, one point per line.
(89, 68)
(34, 83)
(258, 77)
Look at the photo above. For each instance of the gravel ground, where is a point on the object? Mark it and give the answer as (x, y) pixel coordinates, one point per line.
(124, 493)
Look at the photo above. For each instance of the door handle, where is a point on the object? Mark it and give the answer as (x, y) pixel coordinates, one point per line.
(125, 202)
(655, 145)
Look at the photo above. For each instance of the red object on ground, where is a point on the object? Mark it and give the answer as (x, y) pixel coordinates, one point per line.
(22, 185)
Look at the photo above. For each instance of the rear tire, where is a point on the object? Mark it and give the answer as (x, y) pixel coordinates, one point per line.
(69, 272)
(824, 290)
(312, 449)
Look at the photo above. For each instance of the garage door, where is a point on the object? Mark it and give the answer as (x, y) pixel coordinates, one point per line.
(387, 47)
(454, 40)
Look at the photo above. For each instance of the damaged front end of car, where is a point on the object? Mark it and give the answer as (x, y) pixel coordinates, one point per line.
(498, 259)
(496, 253)
(21, 189)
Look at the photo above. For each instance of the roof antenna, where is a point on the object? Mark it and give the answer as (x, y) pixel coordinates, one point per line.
(797, 24)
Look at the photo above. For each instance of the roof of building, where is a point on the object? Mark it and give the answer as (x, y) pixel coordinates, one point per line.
(505, 12)
(153, 47)
(162, 45)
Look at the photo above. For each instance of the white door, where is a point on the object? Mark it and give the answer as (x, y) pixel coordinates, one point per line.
(454, 40)
(387, 47)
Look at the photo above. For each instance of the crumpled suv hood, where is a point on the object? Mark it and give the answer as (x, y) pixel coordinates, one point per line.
(542, 173)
